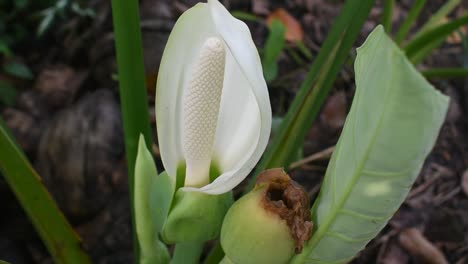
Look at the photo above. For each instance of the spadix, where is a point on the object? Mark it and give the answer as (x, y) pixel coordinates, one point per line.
(212, 104)
(200, 111)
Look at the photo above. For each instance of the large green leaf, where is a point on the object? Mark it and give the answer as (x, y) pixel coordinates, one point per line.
(393, 124)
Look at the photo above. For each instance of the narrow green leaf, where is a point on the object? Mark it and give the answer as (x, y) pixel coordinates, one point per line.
(132, 84)
(426, 50)
(304, 50)
(438, 17)
(58, 236)
(432, 38)
(392, 126)
(19, 70)
(387, 17)
(410, 20)
(273, 48)
(245, 16)
(445, 73)
(312, 94)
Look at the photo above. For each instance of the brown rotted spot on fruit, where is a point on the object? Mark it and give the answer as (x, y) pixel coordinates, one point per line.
(287, 199)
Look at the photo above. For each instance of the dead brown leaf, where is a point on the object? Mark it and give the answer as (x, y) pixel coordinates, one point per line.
(294, 31)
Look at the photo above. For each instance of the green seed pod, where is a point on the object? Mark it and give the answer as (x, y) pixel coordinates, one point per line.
(268, 225)
(195, 216)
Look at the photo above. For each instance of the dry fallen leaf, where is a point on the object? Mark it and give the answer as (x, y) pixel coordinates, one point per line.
(294, 32)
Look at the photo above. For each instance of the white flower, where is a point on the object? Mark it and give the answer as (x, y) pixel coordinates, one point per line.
(212, 104)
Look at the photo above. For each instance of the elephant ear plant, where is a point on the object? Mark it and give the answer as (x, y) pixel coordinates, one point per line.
(213, 120)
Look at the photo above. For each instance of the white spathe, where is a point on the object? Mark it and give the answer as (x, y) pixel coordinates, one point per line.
(191, 95)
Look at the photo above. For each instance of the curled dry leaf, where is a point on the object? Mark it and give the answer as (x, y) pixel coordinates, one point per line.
(294, 32)
(419, 247)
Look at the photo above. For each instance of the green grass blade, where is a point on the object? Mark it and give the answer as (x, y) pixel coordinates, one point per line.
(438, 17)
(420, 47)
(316, 87)
(445, 73)
(59, 237)
(409, 21)
(426, 50)
(273, 48)
(131, 75)
(392, 126)
(387, 16)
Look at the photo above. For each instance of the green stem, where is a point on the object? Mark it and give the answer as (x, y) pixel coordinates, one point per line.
(131, 75)
(409, 21)
(438, 17)
(215, 255)
(435, 35)
(59, 237)
(445, 73)
(187, 253)
(389, 5)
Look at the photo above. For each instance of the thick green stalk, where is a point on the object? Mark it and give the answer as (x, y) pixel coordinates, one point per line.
(409, 21)
(132, 87)
(59, 237)
(316, 87)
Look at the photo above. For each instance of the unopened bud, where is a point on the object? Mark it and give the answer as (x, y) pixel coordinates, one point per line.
(268, 225)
